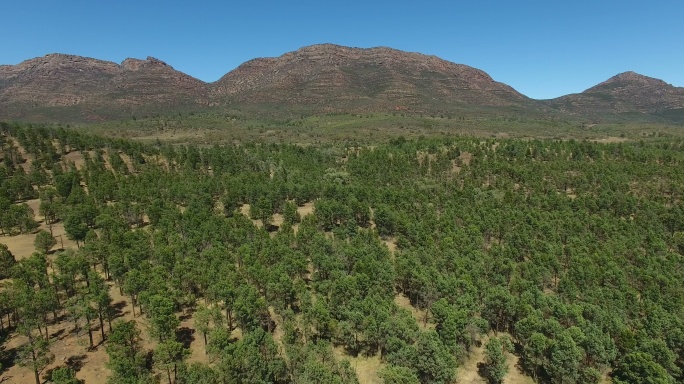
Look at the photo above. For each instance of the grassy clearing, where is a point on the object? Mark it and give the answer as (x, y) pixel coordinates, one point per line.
(212, 128)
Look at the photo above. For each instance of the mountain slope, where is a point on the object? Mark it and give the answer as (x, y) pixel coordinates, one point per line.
(628, 92)
(334, 76)
(316, 79)
(94, 89)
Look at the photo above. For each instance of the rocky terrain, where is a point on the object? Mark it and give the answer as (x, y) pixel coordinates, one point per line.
(317, 79)
(327, 75)
(92, 89)
(628, 92)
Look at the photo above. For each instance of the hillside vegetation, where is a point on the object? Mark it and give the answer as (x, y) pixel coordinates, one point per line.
(551, 261)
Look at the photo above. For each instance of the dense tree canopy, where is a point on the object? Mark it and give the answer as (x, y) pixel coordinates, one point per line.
(572, 248)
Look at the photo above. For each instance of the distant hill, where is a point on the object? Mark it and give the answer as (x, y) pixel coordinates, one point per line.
(626, 93)
(90, 89)
(332, 76)
(316, 79)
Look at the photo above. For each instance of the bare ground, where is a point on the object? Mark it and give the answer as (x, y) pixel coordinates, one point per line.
(21, 246)
(403, 302)
(277, 220)
(75, 157)
(467, 372)
(22, 151)
(366, 368)
(391, 245)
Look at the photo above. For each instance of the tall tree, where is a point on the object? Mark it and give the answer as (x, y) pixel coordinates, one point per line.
(168, 355)
(126, 355)
(35, 353)
(44, 241)
(495, 364)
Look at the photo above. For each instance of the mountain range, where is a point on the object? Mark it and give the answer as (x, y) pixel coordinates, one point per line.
(315, 79)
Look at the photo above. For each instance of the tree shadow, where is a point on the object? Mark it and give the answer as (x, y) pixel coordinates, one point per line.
(482, 371)
(185, 336)
(149, 359)
(76, 362)
(60, 318)
(7, 358)
(187, 313)
(59, 335)
(74, 331)
(117, 309)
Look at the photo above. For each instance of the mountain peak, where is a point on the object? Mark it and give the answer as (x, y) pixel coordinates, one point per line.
(132, 64)
(339, 77)
(633, 78)
(318, 78)
(626, 92)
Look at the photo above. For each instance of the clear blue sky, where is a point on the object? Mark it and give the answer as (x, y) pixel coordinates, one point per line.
(544, 49)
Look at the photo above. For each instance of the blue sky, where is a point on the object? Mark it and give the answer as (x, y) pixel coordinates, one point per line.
(544, 49)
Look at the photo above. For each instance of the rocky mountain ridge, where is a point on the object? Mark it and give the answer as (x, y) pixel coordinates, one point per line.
(627, 92)
(330, 74)
(95, 89)
(319, 78)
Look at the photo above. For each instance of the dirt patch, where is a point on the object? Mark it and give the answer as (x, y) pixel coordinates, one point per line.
(277, 220)
(195, 340)
(75, 157)
(22, 246)
(366, 368)
(306, 209)
(278, 332)
(467, 372)
(611, 139)
(455, 168)
(463, 160)
(466, 157)
(245, 211)
(22, 151)
(419, 315)
(127, 160)
(391, 245)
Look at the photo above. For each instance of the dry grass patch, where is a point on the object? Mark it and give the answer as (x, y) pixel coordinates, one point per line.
(22, 151)
(22, 246)
(418, 314)
(366, 368)
(467, 372)
(306, 209)
(75, 157)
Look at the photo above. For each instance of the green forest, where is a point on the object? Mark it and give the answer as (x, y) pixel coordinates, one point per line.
(566, 255)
